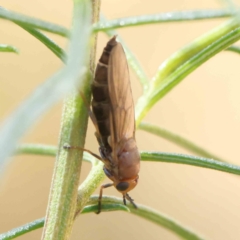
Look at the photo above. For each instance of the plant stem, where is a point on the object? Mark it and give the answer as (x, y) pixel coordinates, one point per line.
(89, 185)
(63, 195)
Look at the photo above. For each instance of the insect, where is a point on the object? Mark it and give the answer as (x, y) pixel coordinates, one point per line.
(113, 117)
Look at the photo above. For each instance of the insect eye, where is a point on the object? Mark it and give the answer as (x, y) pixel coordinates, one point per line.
(122, 186)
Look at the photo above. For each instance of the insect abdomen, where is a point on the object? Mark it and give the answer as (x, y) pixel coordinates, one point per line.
(101, 100)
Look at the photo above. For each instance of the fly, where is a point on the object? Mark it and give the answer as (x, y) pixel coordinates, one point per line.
(113, 117)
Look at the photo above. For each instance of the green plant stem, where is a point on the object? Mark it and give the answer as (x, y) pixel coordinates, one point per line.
(179, 140)
(90, 184)
(63, 193)
(185, 61)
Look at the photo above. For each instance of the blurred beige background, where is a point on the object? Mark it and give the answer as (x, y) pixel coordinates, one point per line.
(204, 108)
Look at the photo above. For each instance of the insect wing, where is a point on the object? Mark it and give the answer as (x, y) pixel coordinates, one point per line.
(122, 121)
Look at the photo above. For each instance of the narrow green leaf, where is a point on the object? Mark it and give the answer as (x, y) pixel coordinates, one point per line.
(185, 61)
(190, 160)
(115, 204)
(38, 149)
(145, 156)
(47, 150)
(117, 23)
(150, 215)
(163, 18)
(179, 140)
(49, 43)
(16, 232)
(105, 207)
(8, 48)
(33, 22)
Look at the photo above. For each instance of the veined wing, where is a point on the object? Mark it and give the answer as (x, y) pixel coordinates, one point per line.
(122, 120)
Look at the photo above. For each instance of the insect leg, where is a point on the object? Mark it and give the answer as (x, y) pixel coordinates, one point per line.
(100, 195)
(129, 199)
(124, 199)
(83, 149)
